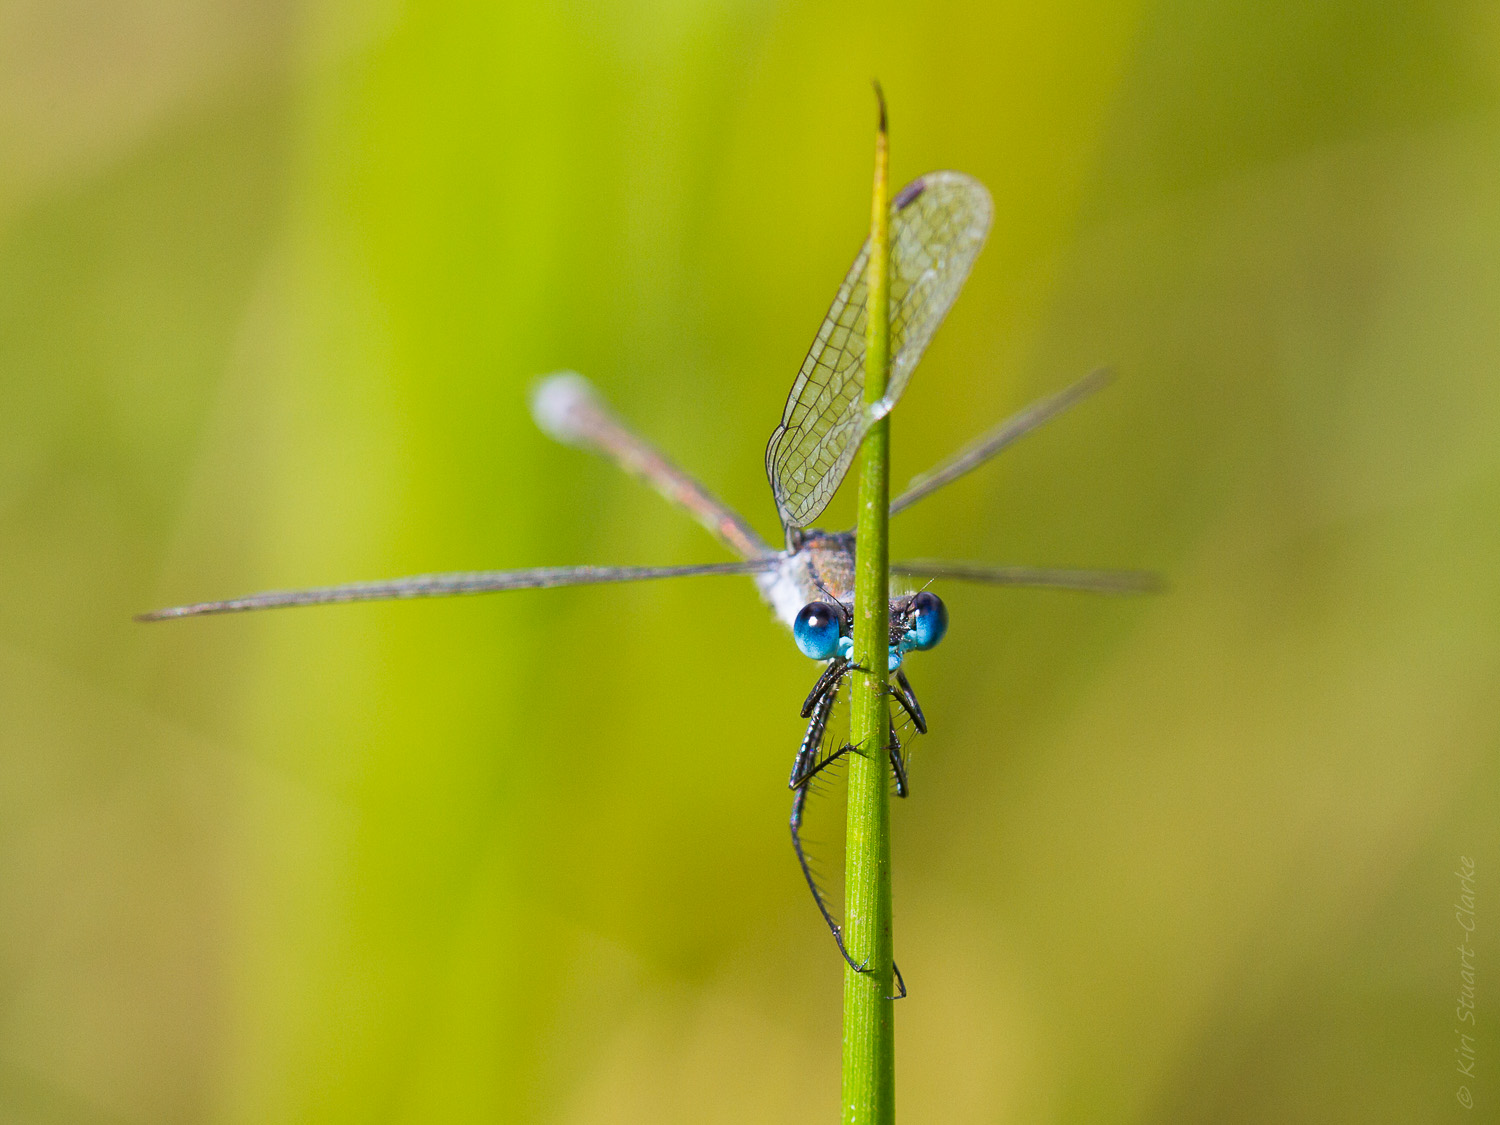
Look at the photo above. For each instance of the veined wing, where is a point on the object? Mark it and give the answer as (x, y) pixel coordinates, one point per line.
(567, 408)
(464, 582)
(938, 226)
(1006, 433)
(1055, 578)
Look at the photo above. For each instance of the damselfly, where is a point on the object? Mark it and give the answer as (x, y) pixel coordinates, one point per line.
(938, 226)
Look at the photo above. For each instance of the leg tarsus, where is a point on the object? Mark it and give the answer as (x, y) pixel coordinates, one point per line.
(900, 984)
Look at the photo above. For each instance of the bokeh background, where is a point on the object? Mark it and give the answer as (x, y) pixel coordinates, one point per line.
(274, 281)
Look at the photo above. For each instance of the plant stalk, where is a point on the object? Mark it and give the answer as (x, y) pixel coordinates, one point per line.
(869, 1086)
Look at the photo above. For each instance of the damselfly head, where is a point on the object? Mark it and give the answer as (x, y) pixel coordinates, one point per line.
(918, 623)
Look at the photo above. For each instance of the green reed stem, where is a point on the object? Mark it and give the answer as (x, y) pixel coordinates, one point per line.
(869, 1091)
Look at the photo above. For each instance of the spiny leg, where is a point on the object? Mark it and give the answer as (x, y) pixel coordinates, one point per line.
(802, 773)
(908, 700)
(898, 763)
(829, 680)
(898, 767)
(799, 784)
(819, 707)
(805, 767)
(799, 802)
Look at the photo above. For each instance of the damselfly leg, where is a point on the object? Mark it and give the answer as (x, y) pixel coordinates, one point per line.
(898, 761)
(908, 700)
(810, 761)
(824, 744)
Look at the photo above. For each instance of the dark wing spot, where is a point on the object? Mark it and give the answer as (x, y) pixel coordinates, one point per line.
(908, 195)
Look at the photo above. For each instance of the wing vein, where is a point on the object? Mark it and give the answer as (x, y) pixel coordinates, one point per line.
(938, 226)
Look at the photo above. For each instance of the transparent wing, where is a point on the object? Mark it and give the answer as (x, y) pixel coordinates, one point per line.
(1006, 433)
(938, 226)
(1091, 581)
(464, 582)
(566, 407)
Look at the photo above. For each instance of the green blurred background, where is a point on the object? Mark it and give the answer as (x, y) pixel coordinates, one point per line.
(274, 280)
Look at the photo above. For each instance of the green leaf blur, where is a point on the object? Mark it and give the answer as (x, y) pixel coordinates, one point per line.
(274, 281)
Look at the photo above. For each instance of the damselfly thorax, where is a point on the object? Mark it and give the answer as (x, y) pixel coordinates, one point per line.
(817, 566)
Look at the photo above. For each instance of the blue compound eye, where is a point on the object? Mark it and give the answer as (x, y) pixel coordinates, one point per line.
(929, 621)
(816, 630)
